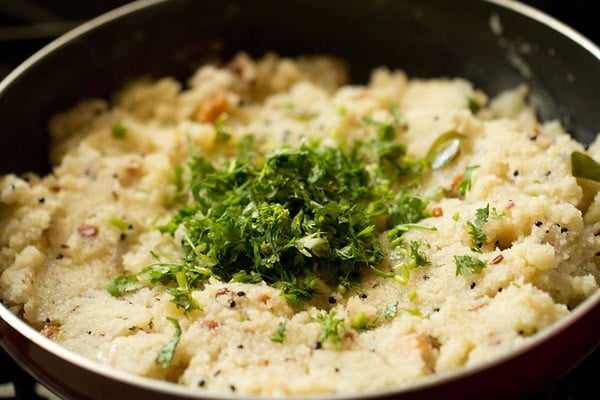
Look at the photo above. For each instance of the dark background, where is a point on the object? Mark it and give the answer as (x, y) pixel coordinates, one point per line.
(27, 25)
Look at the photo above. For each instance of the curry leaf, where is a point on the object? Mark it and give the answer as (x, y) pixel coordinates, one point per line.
(584, 166)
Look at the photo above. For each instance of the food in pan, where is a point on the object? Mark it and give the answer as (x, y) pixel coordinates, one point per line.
(268, 228)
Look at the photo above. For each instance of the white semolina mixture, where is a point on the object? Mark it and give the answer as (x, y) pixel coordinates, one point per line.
(95, 217)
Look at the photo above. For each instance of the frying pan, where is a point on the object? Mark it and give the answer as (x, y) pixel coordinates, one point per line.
(494, 43)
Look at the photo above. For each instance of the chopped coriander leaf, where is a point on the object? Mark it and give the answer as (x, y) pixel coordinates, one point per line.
(390, 311)
(435, 193)
(183, 299)
(179, 279)
(180, 190)
(295, 289)
(406, 209)
(385, 131)
(465, 183)
(393, 234)
(495, 214)
(245, 277)
(414, 312)
(332, 328)
(118, 223)
(118, 130)
(468, 265)
(341, 110)
(256, 218)
(296, 218)
(298, 113)
(167, 351)
(473, 104)
(413, 258)
(360, 322)
(478, 236)
(124, 284)
(280, 333)
(418, 257)
(399, 119)
(221, 134)
(475, 228)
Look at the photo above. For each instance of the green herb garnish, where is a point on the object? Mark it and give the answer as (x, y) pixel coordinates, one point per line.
(118, 223)
(465, 183)
(473, 105)
(182, 298)
(418, 258)
(390, 310)
(360, 322)
(385, 131)
(399, 120)
(584, 166)
(332, 328)
(294, 218)
(341, 110)
(468, 265)
(124, 284)
(180, 191)
(280, 333)
(221, 135)
(415, 312)
(412, 295)
(165, 355)
(413, 257)
(118, 130)
(475, 228)
(179, 283)
(298, 113)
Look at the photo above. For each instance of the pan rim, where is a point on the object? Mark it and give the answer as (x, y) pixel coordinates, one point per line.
(550, 21)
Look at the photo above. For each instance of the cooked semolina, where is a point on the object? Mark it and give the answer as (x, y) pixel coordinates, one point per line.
(507, 246)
